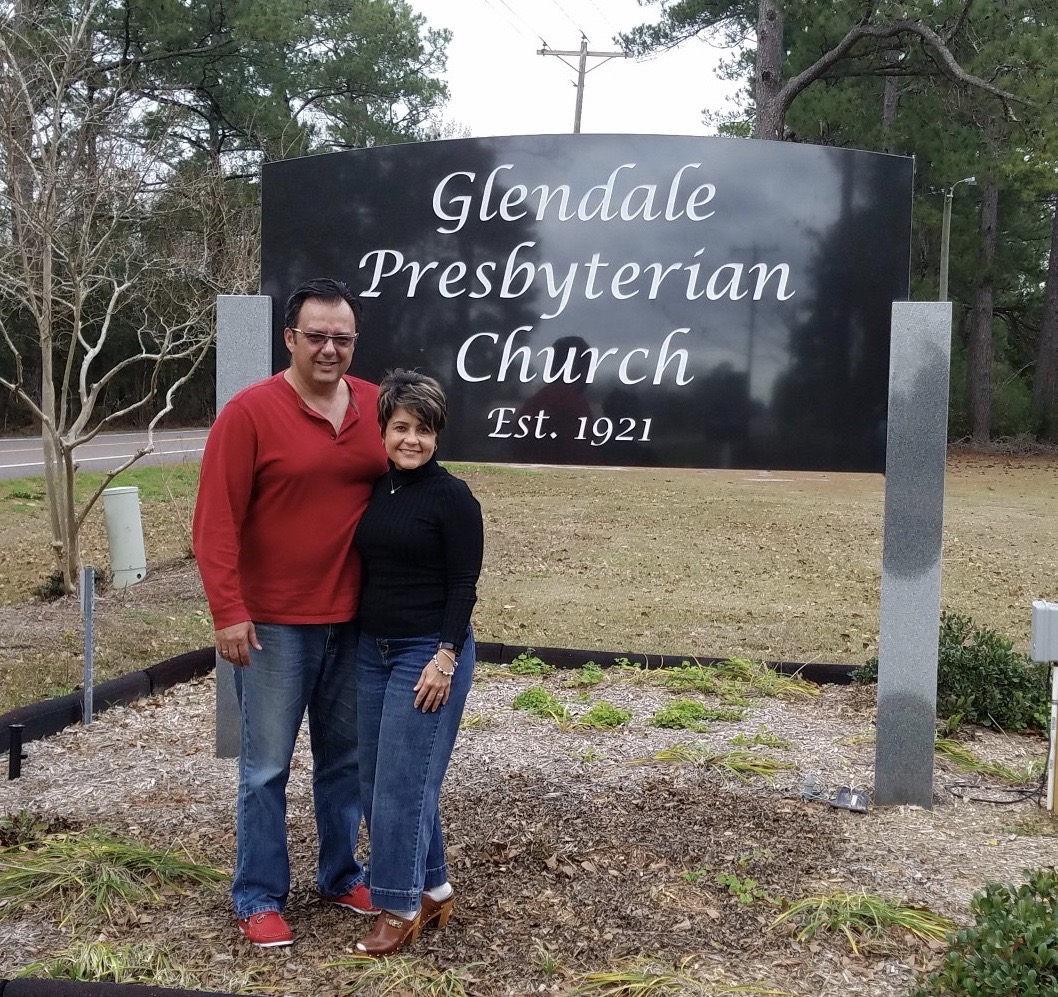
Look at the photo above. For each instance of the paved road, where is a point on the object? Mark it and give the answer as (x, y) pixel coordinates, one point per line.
(24, 458)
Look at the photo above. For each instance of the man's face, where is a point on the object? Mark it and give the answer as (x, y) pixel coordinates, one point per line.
(321, 365)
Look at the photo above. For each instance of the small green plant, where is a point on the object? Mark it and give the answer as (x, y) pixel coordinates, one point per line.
(527, 663)
(604, 716)
(589, 674)
(539, 702)
(682, 714)
(545, 961)
(23, 828)
(747, 891)
(982, 679)
(862, 917)
(93, 873)
(475, 721)
(1010, 947)
(694, 875)
(762, 738)
(961, 756)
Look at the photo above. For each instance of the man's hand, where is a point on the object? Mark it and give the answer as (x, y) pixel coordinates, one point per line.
(234, 642)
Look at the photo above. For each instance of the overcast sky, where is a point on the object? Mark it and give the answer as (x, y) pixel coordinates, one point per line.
(501, 86)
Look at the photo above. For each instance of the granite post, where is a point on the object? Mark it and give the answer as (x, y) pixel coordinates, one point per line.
(244, 355)
(917, 429)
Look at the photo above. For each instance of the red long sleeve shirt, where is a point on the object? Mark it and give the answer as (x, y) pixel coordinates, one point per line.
(279, 499)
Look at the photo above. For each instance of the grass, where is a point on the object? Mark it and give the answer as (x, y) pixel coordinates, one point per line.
(962, 757)
(402, 976)
(743, 765)
(861, 917)
(94, 875)
(787, 570)
(762, 738)
(107, 962)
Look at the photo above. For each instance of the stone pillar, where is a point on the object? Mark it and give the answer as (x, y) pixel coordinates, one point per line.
(916, 449)
(244, 355)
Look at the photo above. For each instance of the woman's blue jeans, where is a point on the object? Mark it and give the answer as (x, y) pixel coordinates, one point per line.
(404, 754)
(299, 667)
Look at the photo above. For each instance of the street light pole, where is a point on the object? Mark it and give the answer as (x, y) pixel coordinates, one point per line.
(945, 235)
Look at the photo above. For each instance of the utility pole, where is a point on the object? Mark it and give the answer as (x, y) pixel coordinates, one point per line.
(583, 56)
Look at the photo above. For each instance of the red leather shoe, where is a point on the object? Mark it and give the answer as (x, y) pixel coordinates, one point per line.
(389, 934)
(267, 930)
(435, 913)
(358, 900)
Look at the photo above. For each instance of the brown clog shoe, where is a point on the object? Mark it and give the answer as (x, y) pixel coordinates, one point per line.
(389, 934)
(435, 913)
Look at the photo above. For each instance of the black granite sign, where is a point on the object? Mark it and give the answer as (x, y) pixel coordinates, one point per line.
(616, 299)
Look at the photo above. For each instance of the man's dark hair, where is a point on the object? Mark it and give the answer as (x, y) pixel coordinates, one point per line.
(323, 289)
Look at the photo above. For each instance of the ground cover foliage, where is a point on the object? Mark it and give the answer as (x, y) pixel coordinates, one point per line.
(633, 858)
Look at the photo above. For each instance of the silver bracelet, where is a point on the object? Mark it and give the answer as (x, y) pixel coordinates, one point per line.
(437, 665)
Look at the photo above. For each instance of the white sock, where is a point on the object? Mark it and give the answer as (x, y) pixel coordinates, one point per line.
(440, 893)
(404, 915)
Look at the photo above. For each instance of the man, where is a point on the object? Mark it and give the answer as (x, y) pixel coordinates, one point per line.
(286, 475)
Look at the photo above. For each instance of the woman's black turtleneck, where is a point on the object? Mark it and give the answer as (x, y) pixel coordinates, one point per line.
(421, 542)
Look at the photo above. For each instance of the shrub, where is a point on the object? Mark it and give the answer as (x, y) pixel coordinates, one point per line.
(1010, 947)
(981, 678)
(540, 703)
(605, 716)
(528, 663)
(683, 714)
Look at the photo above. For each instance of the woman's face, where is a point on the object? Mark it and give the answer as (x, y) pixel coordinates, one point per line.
(408, 441)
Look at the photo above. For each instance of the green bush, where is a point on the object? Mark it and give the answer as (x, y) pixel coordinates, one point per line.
(539, 702)
(1010, 950)
(981, 678)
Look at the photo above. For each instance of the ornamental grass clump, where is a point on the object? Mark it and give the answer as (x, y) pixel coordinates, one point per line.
(104, 962)
(1010, 949)
(862, 917)
(94, 874)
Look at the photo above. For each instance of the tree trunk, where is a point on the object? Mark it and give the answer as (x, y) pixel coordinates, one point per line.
(768, 77)
(980, 353)
(1045, 380)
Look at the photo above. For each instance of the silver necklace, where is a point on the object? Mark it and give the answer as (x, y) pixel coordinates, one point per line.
(393, 489)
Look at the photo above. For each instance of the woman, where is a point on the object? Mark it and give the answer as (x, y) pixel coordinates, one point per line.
(421, 545)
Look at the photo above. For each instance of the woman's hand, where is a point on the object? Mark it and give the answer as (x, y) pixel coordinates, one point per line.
(431, 691)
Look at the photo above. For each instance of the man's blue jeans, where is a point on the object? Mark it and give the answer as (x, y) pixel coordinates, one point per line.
(300, 667)
(404, 754)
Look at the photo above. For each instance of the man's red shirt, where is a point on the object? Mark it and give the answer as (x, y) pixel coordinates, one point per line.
(279, 498)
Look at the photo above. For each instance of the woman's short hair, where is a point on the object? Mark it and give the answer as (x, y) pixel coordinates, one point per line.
(419, 394)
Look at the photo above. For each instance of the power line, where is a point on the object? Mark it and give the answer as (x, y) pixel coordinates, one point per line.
(564, 13)
(531, 32)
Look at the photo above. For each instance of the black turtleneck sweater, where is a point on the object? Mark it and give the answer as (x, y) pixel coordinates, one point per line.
(421, 541)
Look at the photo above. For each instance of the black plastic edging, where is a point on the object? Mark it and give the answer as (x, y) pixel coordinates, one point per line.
(566, 657)
(53, 715)
(31, 987)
